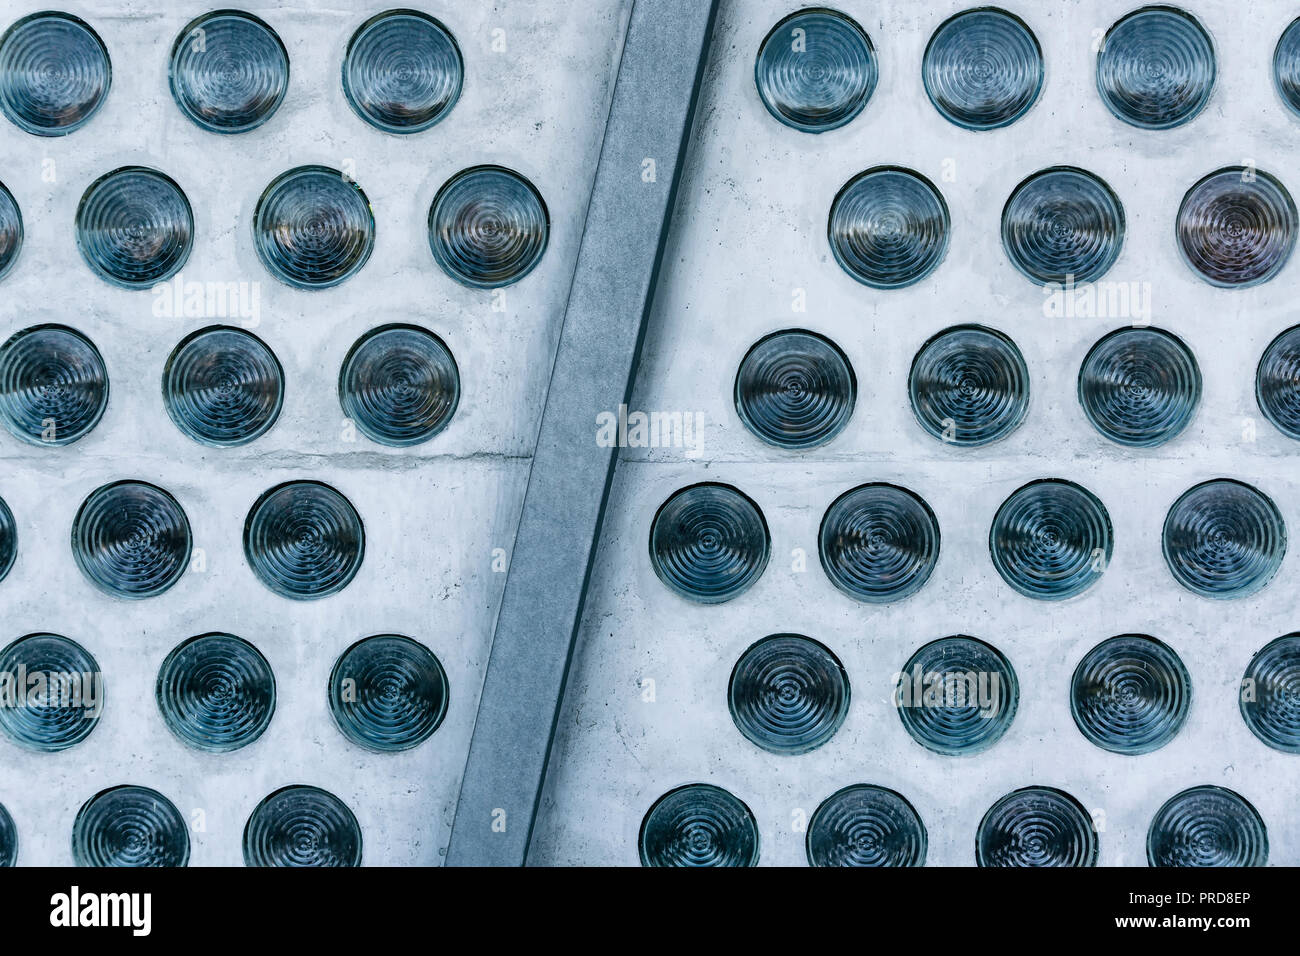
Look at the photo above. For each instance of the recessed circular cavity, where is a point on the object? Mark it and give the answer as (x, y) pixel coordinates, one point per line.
(969, 386)
(402, 71)
(53, 385)
(698, 825)
(795, 389)
(229, 71)
(957, 696)
(400, 384)
(388, 693)
(54, 73)
(8, 838)
(708, 543)
(1051, 539)
(222, 386)
(888, 227)
(216, 692)
(488, 227)
(1207, 826)
(1036, 826)
(865, 825)
(11, 230)
(1063, 224)
(983, 68)
(313, 227)
(1139, 386)
(1155, 67)
(134, 227)
(304, 540)
(878, 543)
(62, 710)
(1286, 66)
(1130, 694)
(816, 70)
(131, 539)
(1270, 694)
(1223, 539)
(130, 826)
(1277, 382)
(8, 539)
(300, 826)
(788, 694)
(1237, 227)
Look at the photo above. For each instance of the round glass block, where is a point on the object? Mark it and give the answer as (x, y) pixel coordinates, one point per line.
(222, 386)
(957, 696)
(1223, 539)
(709, 543)
(1155, 67)
(1036, 826)
(888, 227)
(878, 543)
(11, 230)
(131, 539)
(313, 227)
(402, 72)
(302, 826)
(865, 825)
(1207, 826)
(229, 71)
(1277, 382)
(1063, 225)
(488, 227)
(388, 693)
(1237, 227)
(8, 539)
(1139, 386)
(130, 826)
(815, 70)
(216, 692)
(1130, 694)
(8, 839)
(788, 694)
(134, 227)
(698, 825)
(304, 540)
(59, 711)
(983, 68)
(399, 384)
(53, 385)
(795, 389)
(969, 386)
(1270, 694)
(54, 73)
(1286, 66)
(1051, 540)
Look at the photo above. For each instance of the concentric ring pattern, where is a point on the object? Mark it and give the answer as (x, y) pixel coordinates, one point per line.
(402, 71)
(131, 539)
(54, 73)
(488, 227)
(223, 386)
(816, 70)
(313, 227)
(1270, 694)
(8, 838)
(399, 384)
(1051, 539)
(134, 227)
(698, 825)
(388, 693)
(53, 385)
(709, 543)
(63, 710)
(889, 227)
(969, 386)
(1237, 227)
(1130, 694)
(1207, 826)
(11, 230)
(304, 540)
(1277, 382)
(1224, 539)
(216, 692)
(1156, 67)
(301, 826)
(957, 696)
(130, 826)
(983, 68)
(795, 389)
(1139, 386)
(8, 539)
(1286, 66)
(229, 71)
(865, 825)
(1063, 225)
(1036, 827)
(878, 543)
(788, 694)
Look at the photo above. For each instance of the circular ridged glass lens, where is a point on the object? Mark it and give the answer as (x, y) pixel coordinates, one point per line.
(878, 543)
(313, 227)
(1286, 67)
(708, 543)
(1207, 826)
(134, 227)
(302, 825)
(969, 385)
(304, 540)
(402, 72)
(1277, 382)
(1130, 694)
(216, 692)
(62, 710)
(957, 696)
(131, 539)
(1237, 227)
(53, 385)
(788, 694)
(795, 389)
(223, 386)
(1063, 224)
(229, 71)
(400, 384)
(8, 838)
(11, 230)
(488, 227)
(815, 70)
(130, 826)
(983, 68)
(698, 825)
(388, 693)
(864, 825)
(1155, 68)
(1051, 539)
(1139, 386)
(1036, 826)
(54, 73)
(1224, 539)
(888, 227)
(8, 539)
(1270, 694)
